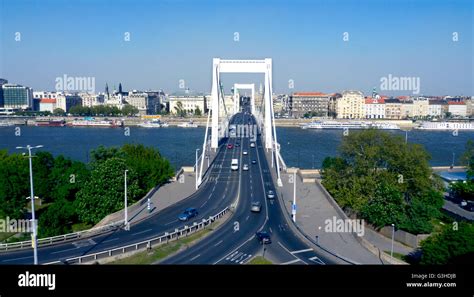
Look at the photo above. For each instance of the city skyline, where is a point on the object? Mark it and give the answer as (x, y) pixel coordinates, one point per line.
(174, 42)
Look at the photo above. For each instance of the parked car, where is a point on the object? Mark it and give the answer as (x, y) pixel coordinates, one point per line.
(270, 194)
(263, 237)
(187, 214)
(255, 206)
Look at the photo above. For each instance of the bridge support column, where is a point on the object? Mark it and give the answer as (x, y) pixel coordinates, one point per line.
(215, 104)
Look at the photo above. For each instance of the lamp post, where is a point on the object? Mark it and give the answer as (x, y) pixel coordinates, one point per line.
(34, 240)
(127, 226)
(196, 167)
(393, 236)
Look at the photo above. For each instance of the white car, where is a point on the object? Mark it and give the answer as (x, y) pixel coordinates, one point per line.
(252, 144)
(246, 167)
(245, 153)
(270, 194)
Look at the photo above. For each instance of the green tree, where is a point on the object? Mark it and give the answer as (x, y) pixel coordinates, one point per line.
(58, 112)
(197, 111)
(103, 193)
(129, 110)
(14, 184)
(179, 110)
(57, 219)
(450, 245)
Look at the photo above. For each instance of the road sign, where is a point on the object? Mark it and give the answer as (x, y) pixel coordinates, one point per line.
(294, 207)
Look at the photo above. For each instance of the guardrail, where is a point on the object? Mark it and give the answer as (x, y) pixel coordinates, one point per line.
(146, 244)
(52, 240)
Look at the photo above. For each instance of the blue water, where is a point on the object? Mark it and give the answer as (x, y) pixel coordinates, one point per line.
(302, 148)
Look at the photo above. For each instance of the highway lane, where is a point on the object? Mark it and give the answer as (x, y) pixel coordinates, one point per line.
(214, 195)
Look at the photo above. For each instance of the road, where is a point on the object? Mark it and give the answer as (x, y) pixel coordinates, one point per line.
(235, 241)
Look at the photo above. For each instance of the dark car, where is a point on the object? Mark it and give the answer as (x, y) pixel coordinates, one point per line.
(263, 237)
(237, 144)
(188, 213)
(254, 161)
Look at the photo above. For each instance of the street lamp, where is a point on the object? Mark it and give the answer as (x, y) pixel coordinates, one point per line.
(196, 167)
(393, 236)
(127, 226)
(33, 219)
(293, 208)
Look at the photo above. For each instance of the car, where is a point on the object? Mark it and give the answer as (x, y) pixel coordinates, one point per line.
(270, 194)
(237, 144)
(252, 144)
(244, 152)
(469, 206)
(230, 145)
(255, 206)
(246, 167)
(263, 237)
(254, 161)
(187, 214)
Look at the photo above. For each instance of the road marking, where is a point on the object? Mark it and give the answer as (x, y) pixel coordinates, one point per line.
(204, 203)
(291, 262)
(109, 240)
(195, 257)
(247, 218)
(246, 259)
(302, 251)
(169, 223)
(62, 251)
(271, 231)
(9, 260)
(291, 253)
(271, 202)
(141, 232)
(218, 243)
(231, 255)
(84, 243)
(317, 260)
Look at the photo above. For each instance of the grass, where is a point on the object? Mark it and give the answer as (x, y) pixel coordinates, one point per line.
(80, 226)
(397, 255)
(5, 235)
(162, 251)
(259, 260)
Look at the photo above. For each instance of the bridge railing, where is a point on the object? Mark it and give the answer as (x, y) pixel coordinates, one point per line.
(146, 244)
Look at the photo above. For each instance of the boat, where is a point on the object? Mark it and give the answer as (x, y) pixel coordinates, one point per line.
(189, 124)
(151, 124)
(50, 123)
(446, 126)
(93, 123)
(348, 125)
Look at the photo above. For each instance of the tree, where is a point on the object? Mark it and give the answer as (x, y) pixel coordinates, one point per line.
(197, 111)
(468, 158)
(103, 193)
(453, 245)
(58, 112)
(385, 180)
(57, 219)
(179, 110)
(129, 110)
(14, 184)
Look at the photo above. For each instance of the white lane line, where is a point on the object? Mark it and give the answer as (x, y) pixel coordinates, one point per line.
(270, 228)
(169, 223)
(17, 259)
(231, 255)
(109, 240)
(291, 253)
(246, 259)
(302, 251)
(317, 260)
(195, 257)
(234, 258)
(247, 218)
(204, 203)
(218, 243)
(141, 232)
(62, 251)
(291, 262)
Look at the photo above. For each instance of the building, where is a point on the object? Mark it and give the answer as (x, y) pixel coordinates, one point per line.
(141, 100)
(457, 108)
(406, 109)
(188, 102)
(89, 100)
(302, 103)
(17, 97)
(66, 101)
(469, 107)
(374, 108)
(46, 104)
(350, 105)
(157, 99)
(436, 109)
(420, 107)
(393, 109)
(2, 82)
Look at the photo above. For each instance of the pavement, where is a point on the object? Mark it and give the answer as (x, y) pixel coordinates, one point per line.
(314, 208)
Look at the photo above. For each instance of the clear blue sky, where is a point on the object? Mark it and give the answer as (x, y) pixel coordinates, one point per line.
(173, 40)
